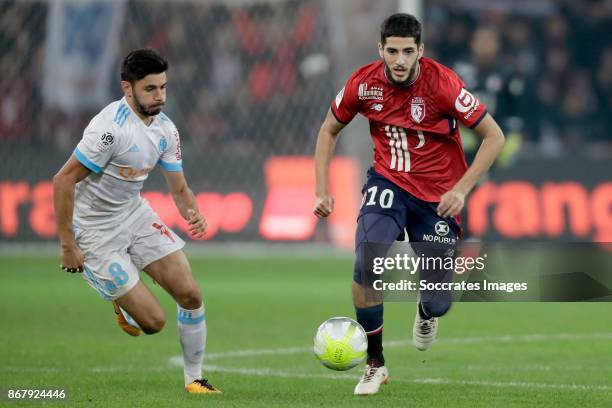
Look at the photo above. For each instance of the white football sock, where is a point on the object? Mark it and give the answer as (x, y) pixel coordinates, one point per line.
(192, 334)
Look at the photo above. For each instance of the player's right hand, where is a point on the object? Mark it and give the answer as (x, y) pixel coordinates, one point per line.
(324, 206)
(72, 259)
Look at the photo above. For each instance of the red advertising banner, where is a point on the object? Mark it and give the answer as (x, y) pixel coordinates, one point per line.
(539, 202)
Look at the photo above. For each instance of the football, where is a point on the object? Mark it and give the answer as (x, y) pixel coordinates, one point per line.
(340, 343)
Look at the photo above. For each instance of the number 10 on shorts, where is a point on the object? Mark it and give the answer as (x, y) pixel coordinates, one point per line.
(385, 199)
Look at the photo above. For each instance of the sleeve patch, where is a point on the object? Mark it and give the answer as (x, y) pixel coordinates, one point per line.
(106, 141)
(466, 104)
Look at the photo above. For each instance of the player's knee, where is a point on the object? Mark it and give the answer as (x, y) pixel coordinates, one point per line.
(153, 323)
(436, 308)
(190, 297)
(357, 271)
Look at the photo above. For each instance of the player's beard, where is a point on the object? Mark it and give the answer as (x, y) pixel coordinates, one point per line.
(146, 111)
(411, 75)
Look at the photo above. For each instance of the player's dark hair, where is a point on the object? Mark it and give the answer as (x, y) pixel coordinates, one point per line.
(400, 25)
(140, 63)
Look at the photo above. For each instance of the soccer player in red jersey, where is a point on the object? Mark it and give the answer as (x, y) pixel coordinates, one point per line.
(419, 179)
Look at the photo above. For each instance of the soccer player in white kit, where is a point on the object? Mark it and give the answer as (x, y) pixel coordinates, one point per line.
(109, 233)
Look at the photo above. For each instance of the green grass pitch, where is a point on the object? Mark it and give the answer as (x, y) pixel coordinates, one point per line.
(262, 313)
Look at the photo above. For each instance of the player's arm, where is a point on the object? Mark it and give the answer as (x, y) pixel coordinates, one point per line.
(324, 151)
(452, 202)
(186, 202)
(63, 201)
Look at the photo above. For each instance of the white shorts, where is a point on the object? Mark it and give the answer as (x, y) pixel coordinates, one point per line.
(114, 257)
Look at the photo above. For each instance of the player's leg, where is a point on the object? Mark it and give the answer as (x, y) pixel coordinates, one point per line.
(173, 273)
(372, 229)
(157, 250)
(117, 280)
(143, 307)
(380, 231)
(378, 227)
(432, 237)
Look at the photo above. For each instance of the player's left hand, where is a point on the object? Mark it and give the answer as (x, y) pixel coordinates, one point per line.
(451, 203)
(197, 223)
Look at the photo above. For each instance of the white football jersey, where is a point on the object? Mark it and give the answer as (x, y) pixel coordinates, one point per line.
(120, 150)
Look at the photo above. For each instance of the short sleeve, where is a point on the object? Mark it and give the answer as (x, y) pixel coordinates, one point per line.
(171, 158)
(458, 101)
(96, 147)
(346, 104)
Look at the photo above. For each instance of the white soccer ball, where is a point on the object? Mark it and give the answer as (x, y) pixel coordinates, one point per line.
(340, 343)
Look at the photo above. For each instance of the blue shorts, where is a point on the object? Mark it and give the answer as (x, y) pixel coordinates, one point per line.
(414, 217)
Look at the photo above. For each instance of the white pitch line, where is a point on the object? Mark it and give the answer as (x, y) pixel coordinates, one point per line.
(529, 338)
(271, 372)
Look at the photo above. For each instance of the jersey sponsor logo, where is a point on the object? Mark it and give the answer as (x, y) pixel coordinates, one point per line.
(131, 173)
(365, 93)
(106, 141)
(442, 228)
(438, 239)
(339, 98)
(471, 112)
(163, 144)
(466, 103)
(377, 107)
(417, 109)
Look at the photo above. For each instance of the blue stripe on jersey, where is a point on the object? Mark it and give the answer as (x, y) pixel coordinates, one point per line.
(163, 116)
(125, 116)
(86, 162)
(122, 114)
(187, 319)
(120, 111)
(170, 166)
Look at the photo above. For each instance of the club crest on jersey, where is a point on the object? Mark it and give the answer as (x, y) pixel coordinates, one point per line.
(163, 145)
(417, 109)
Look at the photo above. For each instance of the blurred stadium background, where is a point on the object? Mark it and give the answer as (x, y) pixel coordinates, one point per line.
(251, 80)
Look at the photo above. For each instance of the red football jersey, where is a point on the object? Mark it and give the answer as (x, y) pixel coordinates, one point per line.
(415, 131)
